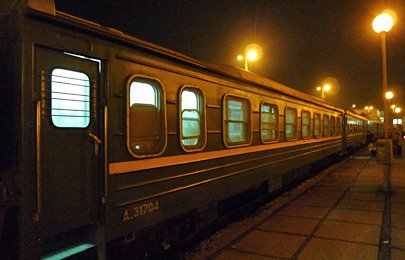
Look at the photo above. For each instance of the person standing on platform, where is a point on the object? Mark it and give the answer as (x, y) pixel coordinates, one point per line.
(370, 143)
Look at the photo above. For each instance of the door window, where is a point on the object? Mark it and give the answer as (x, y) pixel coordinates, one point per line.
(70, 98)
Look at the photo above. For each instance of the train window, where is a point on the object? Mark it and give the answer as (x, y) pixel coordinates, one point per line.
(237, 126)
(268, 122)
(317, 125)
(290, 123)
(326, 129)
(332, 126)
(70, 98)
(338, 125)
(192, 119)
(146, 120)
(306, 124)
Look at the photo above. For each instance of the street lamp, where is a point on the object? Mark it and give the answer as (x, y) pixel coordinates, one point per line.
(324, 88)
(383, 24)
(253, 52)
(368, 109)
(389, 95)
(397, 120)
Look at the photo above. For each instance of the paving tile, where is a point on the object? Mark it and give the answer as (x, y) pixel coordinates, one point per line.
(330, 188)
(398, 238)
(397, 254)
(366, 185)
(369, 178)
(321, 249)
(398, 197)
(398, 187)
(237, 255)
(373, 196)
(302, 211)
(325, 193)
(364, 188)
(344, 172)
(349, 231)
(336, 182)
(309, 200)
(270, 243)
(361, 205)
(356, 216)
(295, 225)
(398, 221)
(398, 208)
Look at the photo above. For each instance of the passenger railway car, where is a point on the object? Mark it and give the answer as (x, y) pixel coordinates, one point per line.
(105, 137)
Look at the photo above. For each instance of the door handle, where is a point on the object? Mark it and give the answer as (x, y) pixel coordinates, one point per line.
(97, 142)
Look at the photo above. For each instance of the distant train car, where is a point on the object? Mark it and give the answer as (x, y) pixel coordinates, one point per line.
(104, 136)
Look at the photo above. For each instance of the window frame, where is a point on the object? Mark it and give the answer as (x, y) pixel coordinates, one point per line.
(161, 100)
(309, 125)
(277, 123)
(225, 121)
(285, 123)
(203, 122)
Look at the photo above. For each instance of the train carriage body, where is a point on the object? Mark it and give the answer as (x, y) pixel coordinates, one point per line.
(109, 135)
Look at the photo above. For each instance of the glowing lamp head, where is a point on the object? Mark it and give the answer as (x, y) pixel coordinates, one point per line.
(326, 87)
(252, 55)
(239, 57)
(389, 95)
(253, 52)
(397, 110)
(383, 23)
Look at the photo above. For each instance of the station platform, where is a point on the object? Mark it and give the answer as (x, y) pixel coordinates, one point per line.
(342, 213)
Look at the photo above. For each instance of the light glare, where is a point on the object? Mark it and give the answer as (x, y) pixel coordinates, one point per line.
(389, 95)
(383, 23)
(252, 55)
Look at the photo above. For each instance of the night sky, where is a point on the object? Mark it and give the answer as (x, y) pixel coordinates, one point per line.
(304, 42)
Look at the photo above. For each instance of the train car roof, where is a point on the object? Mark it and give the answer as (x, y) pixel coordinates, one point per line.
(47, 8)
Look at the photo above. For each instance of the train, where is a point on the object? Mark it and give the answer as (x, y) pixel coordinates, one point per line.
(107, 140)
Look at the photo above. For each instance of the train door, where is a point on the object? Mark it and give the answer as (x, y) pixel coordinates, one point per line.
(68, 139)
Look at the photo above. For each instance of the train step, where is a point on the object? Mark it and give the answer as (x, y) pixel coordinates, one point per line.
(77, 251)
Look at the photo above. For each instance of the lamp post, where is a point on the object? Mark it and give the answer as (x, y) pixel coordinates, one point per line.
(324, 88)
(368, 109)
(383, 24)
(253, 52)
